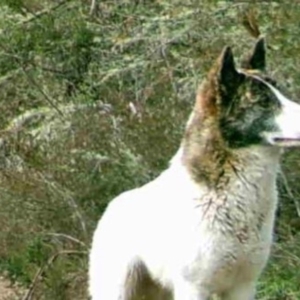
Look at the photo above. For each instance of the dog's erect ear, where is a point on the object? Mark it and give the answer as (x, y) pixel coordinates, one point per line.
(228, 76)
(221, 85)
(257, 59)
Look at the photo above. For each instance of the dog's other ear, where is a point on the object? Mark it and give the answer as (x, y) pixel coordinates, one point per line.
(257, 59)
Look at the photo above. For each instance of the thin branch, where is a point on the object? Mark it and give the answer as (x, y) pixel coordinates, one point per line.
(23, 68)
(42, 12)
(289, 191)
(10, 75)
(115, 72)
(93, 8)
(42, 270)
(47, 97)
(29, 64)
(68, 237)
(70, 200)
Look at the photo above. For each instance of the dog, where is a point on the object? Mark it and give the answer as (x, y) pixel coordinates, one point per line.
(204, 227)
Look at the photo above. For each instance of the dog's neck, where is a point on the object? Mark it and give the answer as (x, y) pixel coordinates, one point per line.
(209, 160)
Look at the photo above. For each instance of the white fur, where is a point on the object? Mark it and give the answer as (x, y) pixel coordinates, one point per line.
(287, 121)
(177, 229)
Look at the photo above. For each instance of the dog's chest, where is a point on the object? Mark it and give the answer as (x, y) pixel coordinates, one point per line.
(212, 236)
(230, 231)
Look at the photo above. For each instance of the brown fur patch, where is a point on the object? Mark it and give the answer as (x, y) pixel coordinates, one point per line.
(205, 152)
(140, 286)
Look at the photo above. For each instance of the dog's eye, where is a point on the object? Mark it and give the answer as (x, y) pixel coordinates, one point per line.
(251, 97)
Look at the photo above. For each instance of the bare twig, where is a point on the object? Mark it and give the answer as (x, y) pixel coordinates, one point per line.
(18, 60)
(70, 200)
(29, 65)
(46, 96)
(169, 69)
(289, 191)
(10, 75)
(94, 7)
(68, 237)
(42, 12)
(42, 270)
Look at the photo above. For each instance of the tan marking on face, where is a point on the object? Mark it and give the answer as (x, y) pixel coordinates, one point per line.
(250, 72)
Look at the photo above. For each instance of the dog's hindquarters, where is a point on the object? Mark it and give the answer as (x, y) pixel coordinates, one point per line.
(116, 279)
(116, 271)
(110, 261)
(113, 281)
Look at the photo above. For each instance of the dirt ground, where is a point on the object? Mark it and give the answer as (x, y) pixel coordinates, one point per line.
(8, 291)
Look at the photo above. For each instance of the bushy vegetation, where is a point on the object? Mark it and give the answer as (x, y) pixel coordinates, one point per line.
(94, 98)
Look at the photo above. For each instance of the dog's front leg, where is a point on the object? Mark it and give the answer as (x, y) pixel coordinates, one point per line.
(184, 290)
(241, 292)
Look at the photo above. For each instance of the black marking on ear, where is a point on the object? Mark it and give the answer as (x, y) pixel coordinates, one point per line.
(229, 78)
(228, 72)
(257, 59)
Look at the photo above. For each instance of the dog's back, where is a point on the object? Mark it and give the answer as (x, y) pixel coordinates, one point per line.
(204, 226)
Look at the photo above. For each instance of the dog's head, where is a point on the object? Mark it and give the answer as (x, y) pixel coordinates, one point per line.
(246, 105)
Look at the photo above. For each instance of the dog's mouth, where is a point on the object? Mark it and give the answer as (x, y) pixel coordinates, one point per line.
(286, 141)
(282, 140)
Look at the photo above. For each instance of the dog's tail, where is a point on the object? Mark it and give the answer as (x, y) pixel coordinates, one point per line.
(130, 281)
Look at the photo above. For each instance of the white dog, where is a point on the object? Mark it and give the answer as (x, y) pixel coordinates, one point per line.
(204, 226)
